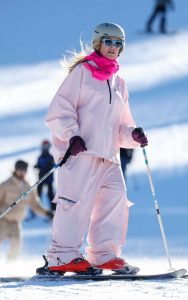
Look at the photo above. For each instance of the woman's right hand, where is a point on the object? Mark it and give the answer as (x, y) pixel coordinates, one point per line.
(77, 145)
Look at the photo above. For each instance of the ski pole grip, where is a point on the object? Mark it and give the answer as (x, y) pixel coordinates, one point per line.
(66, 156)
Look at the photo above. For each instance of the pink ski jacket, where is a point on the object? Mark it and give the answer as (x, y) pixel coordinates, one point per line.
(96, 110)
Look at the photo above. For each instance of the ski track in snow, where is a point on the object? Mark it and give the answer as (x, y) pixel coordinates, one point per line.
(156, 71)
(151, 289)
(174, 289)
(108, 290)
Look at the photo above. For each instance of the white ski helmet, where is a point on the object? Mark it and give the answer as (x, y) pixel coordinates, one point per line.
(108, 29)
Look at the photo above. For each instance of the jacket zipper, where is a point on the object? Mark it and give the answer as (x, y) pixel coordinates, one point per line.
(109, 91)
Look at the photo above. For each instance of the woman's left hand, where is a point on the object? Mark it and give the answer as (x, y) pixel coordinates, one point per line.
(139, 136)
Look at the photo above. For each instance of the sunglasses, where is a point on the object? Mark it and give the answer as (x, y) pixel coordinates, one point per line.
(114, 43)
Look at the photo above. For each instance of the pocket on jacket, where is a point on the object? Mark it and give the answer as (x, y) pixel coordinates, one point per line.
(66, 202)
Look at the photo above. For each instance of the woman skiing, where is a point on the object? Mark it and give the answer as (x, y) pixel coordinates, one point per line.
(90, 113)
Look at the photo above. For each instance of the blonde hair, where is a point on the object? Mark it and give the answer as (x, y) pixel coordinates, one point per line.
(75, 58)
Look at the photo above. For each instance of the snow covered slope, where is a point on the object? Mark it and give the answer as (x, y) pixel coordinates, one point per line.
(34, 36)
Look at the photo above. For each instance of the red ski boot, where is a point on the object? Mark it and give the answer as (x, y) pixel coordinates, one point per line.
(118, 265)
(77, 265)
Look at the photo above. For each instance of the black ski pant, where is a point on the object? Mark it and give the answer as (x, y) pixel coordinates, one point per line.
(50, 193)
(161, 11)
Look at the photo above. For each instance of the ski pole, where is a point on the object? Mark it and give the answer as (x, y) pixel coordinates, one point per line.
(25, 194)
(157, 208)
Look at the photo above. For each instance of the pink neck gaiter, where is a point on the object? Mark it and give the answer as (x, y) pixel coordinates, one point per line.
(104, 68)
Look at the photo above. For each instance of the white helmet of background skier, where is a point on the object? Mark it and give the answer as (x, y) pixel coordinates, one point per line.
(107, 30)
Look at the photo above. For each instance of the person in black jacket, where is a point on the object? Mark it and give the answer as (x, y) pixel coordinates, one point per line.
(126, 156)
(160, 10)
(44, 164)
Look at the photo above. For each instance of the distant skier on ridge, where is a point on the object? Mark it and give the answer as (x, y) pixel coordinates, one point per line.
(160, 10)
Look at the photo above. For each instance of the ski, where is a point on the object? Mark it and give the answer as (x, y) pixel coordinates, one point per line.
(102, 277)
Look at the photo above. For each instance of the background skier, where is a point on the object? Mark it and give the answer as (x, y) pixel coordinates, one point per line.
(160, 10)
(11, 223)
(44, 164)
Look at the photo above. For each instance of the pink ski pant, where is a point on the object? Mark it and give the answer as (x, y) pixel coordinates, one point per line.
(91, 198)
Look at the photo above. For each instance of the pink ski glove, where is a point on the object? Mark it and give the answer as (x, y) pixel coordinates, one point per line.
(139, 136)
(77, 145)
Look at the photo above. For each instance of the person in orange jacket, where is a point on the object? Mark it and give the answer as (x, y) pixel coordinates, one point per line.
(11, 223)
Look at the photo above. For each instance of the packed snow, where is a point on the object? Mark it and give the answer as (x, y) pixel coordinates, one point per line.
(35, 36)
